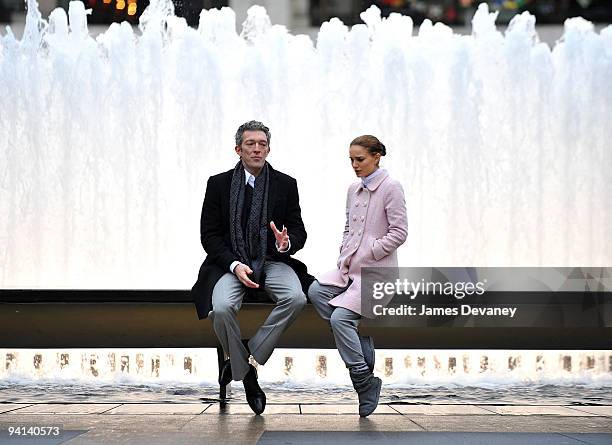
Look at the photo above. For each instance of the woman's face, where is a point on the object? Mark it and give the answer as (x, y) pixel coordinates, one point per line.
(363, 162)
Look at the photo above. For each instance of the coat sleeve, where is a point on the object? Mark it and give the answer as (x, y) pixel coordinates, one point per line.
(395, 209)
(212, 232)
(293, 222)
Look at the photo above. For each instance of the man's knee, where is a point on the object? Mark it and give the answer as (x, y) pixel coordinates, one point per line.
(224, 309)
(296, 300)
(226, 297)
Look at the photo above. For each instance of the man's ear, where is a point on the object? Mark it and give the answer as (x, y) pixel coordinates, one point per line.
(238, 150)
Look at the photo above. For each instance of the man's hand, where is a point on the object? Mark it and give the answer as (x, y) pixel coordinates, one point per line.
(282, 238)
(243, 271)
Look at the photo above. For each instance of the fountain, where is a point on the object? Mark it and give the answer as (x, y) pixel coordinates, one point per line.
(309, 365)
(501, 143)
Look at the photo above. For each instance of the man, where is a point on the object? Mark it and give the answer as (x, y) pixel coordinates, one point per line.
(251, 223)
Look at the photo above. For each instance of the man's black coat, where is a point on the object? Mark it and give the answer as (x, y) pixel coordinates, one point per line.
(283, 209)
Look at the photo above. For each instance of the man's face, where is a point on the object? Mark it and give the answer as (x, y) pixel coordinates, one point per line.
(253, 150)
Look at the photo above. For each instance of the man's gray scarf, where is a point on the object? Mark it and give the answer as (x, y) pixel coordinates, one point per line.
(250, 246)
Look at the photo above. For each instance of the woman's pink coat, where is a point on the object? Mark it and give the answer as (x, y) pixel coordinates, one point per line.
(376, 225)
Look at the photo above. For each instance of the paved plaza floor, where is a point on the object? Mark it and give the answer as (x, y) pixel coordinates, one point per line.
(295, 423)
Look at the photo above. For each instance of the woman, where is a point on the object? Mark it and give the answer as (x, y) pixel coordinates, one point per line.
(376, 225)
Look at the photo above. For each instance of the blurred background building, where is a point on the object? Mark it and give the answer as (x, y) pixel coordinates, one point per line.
(300, 14)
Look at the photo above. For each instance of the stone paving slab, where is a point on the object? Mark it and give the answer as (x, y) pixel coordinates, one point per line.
(536, 410)
(426, 438)
(343, 409)
(311, 422)
(243, 408)
(598, 410)
(533, 424)
(178, 424)
(187, 429)
(5, 407)
(103, 424)
(159, 408)
(60, 438)
(592, 438)
(72, 408)
(139, 438)
(443, 410)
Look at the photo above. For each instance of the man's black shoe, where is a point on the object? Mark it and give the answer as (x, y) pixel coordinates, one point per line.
(254, 395)
(369, 354)
(225, 373)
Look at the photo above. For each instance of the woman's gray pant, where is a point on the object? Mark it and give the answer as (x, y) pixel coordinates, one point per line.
(344, 324)
(282, 286)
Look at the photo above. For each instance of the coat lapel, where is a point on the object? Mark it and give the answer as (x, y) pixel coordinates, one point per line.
(272, 192)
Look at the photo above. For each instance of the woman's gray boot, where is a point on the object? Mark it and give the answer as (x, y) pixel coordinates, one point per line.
(368, 390)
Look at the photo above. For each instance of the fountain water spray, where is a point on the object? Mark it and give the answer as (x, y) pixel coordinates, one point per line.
(501, 143)
(312, 367)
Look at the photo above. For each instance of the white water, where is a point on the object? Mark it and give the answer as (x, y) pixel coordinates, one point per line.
(502, 145)
(444, 368)
(308, 375)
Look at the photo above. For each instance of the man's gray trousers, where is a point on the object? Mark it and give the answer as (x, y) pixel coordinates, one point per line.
(283, 287)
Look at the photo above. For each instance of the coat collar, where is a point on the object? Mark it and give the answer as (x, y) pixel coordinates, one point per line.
(373, 185)
(272, 191)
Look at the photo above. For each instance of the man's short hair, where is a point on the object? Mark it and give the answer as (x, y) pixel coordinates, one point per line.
(252, 126)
